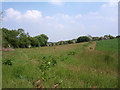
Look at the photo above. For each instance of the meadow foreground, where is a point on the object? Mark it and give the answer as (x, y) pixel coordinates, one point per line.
(80, 65)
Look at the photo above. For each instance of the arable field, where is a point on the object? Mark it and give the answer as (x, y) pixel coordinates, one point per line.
(81, 65)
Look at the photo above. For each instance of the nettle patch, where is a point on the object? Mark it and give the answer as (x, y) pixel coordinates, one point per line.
(8, 61)
(46, 63)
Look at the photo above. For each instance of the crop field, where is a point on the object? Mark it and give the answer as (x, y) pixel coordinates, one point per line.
(81, 65)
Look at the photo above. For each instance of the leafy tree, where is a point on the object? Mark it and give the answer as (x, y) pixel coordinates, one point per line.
(111, 37)
(24, 41)
(70, 41)
(18, 38)
(83, 39)
(42, 39)
(118, 36)
(35, 42)
(11, 37)
(95, 38)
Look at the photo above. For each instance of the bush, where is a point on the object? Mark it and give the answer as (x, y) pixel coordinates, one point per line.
(47, 63)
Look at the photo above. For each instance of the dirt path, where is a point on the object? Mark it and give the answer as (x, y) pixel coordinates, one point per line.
(92, 46)
(7, 49)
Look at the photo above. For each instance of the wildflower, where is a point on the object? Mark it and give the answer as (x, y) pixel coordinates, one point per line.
(94, 87)
(37, 82)
(38, 86)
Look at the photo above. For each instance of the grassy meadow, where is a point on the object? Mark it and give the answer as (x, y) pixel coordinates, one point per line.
(65, 66)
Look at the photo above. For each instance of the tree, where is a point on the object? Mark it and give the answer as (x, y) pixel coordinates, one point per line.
(118, 36)
(83, 39)
(42, 39)
(24, 41)
(106, 37)
(11, 37)
(18, 38)
(111, 37)
(70, 41)
(35, 42)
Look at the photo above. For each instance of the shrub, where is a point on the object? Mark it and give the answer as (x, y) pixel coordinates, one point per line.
(8, 61)
(47, 63)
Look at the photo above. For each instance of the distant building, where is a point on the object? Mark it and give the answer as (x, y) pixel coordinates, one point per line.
(90, 37)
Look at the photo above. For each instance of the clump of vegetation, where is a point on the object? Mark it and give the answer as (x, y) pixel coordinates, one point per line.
(83, 39)
(71, 53)
(8, 61)
(20, 39)
(47, 63)
(63, 57)
(56, 85)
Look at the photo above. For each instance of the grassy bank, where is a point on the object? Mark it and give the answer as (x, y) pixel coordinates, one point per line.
(65, 66)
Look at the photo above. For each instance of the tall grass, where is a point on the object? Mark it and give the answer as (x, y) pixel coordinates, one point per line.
(75, 67)
(107, 45)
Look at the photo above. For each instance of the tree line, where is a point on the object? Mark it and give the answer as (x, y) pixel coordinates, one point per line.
(82, 39)
(20, 39)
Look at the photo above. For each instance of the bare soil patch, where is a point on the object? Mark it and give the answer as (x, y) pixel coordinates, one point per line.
(7, 49)
(92, 46)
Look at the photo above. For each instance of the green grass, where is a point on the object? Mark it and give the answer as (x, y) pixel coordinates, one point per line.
(76, 67)
(107, 45)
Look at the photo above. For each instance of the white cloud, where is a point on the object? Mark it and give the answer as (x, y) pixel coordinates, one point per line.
(35, 14)
(59, 26)
(49, 18)
(78, 16)
(113, 2)
(12, 14)
(56, 2)
(64, 26)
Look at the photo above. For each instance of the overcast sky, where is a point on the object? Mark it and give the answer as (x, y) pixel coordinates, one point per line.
(62, 20)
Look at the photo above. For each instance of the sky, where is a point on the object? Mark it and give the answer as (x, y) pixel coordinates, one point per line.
(62, 20)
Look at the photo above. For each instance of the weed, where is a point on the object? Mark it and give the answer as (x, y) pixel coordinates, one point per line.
(71, 53)
(8, 61)
(46, 65)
